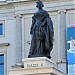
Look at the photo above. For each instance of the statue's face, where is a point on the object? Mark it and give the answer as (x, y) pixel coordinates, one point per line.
(39, 5)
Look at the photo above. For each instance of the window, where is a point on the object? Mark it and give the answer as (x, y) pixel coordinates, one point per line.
(2, 64)
(1, 28)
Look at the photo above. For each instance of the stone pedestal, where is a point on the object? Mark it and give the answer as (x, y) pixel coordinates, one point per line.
(37, 66)
(38, 62)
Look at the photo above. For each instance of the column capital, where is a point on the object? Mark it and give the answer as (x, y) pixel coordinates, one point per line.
(18, 15)
(59, 11)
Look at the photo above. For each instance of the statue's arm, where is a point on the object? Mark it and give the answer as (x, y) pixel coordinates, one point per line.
(33, 22)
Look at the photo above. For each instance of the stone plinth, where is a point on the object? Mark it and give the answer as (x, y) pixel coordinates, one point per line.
(38, 62)
(37, 66)
(36, 71)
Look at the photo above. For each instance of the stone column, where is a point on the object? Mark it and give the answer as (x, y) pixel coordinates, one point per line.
(62, 51)
(18, 39)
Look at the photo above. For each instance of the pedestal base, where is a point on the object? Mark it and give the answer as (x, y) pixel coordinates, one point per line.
(38, 62)
(37, 66)
(36, 71)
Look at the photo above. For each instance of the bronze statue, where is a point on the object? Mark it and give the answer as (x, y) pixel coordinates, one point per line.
(42, 33)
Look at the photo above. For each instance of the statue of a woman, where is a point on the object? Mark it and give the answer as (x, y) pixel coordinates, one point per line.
(42, 33)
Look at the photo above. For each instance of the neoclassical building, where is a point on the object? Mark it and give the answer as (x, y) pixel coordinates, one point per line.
(15, 22)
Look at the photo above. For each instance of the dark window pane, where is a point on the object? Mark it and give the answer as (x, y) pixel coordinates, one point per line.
(1, 28)
(2, 69)
(68, 46)
(1, 58)
(2, 64)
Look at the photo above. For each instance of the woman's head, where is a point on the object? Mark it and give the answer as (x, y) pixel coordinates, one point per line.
(39, 4)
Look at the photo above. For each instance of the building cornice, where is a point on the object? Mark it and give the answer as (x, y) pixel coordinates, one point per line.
(4, 44)
(15, 2)
(27, 1)
(28, 7)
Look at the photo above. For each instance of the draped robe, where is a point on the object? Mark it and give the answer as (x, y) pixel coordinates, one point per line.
(42, 34)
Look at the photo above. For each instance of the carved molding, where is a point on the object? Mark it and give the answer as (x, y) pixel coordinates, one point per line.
(4, 44)
(20, 16)
(35, 71)
(59, 11)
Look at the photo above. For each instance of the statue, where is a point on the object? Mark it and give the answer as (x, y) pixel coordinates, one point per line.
(42, 33)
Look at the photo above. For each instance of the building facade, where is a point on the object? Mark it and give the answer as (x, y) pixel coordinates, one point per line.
(15, 22)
